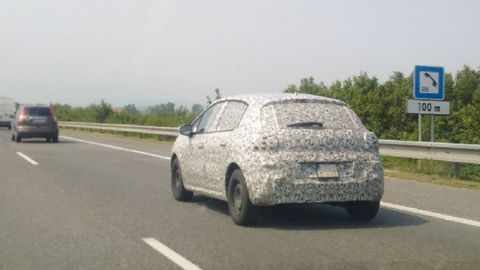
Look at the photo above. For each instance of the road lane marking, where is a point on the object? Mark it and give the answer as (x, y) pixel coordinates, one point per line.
(384, 204)
(31, 161)
(431, 214)
(170, 254)
(117, 148)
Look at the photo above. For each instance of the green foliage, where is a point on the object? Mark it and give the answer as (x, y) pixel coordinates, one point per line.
(158, 115)
(381, 106)
(130, 108)
(217, 96)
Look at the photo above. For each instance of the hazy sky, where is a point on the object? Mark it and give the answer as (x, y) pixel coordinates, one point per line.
(149, 52)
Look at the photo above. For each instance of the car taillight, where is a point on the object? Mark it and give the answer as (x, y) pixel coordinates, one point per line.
(269, 143)
(52, 113)
(21, 117)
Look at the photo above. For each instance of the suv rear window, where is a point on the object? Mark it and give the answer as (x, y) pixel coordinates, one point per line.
(37, 111)
(289, 113)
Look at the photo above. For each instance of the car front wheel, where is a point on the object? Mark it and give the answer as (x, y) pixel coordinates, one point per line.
(239, 205)
(178, 190)
(362, 210)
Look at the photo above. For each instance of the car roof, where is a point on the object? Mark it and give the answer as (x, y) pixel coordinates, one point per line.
(35, 106)
(263, 99)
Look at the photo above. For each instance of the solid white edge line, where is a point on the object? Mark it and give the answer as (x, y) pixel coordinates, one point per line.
(430, 214)
(117, 148)
(31, 161)
(170, 254)
(383, 204)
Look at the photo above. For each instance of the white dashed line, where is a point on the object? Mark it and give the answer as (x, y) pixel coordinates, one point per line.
(31, 161)
(117, 148)
(431, 214)
(170, 254)
(383, 204)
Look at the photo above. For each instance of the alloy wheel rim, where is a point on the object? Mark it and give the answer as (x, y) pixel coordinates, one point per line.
(178, 182)
(237, 198)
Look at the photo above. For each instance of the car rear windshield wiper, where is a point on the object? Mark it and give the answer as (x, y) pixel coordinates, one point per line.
(307, 124)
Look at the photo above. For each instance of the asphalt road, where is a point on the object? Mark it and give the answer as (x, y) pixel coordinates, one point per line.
(88, 206)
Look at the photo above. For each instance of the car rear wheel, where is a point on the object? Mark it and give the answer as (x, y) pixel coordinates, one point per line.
(362, 210)
(239, 205)
(178, 190)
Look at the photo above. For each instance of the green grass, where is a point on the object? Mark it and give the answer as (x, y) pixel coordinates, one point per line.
(432, 179)
(433, 171)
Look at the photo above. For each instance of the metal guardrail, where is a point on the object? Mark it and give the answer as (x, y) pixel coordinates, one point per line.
(453, 152)
(154, 130)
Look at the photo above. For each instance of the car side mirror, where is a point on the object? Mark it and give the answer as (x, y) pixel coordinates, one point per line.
(185, 130)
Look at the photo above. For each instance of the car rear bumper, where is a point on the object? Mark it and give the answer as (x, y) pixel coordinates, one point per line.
(35, 132)
(271, 186)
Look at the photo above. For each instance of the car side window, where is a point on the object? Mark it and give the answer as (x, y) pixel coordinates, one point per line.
(212, 121)
(208, 118)
(231, 116)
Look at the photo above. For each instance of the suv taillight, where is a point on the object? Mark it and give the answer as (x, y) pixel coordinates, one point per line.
(52, 113)
(21, 117)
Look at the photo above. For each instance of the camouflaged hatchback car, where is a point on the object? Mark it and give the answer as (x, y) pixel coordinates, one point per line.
(261, 150)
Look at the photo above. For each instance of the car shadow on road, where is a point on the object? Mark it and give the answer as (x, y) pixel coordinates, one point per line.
(315, 216)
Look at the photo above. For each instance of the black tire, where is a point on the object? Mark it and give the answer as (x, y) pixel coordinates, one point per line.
(178, 190)
(362, 210)
(48, 139)
(18, 138)
(54, 139)
(13, 137)
(239, 205)
(9, 127)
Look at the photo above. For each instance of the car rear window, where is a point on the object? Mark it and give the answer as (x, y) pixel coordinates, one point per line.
(285, 113)
(37, 111)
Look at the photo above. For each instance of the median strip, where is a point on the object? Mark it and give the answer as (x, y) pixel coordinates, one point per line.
(31, 161)
(170, 254)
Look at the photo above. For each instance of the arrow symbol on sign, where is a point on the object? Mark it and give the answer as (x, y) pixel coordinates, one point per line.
(434, 83)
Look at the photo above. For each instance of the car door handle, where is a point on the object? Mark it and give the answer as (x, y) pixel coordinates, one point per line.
(223, 144)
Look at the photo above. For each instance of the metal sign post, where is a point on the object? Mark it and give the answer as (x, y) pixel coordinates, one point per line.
(428, 92)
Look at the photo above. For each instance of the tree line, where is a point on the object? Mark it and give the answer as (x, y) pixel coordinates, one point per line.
(382, 106)
(165, 114)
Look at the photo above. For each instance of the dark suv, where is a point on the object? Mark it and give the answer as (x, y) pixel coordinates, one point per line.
(34, 121)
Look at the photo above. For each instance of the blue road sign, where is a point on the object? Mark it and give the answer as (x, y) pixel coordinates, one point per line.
(428, 83)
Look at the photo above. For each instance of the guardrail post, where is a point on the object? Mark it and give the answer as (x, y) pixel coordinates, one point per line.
(456, 170)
